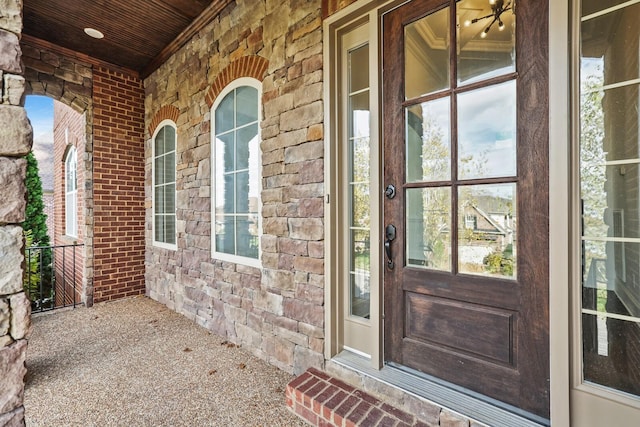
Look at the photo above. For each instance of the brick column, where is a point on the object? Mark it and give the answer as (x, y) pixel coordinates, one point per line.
(16, 137)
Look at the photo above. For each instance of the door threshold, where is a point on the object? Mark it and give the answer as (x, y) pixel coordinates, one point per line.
(449, 396)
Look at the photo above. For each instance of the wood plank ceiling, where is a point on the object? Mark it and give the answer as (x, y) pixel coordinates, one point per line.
(138, 34)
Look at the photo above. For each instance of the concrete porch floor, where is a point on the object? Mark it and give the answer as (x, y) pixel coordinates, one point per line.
(135, 362)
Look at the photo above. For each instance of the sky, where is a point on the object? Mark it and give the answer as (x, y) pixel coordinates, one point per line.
(40, 113)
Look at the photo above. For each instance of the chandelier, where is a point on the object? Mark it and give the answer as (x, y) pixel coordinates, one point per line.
(497, 9)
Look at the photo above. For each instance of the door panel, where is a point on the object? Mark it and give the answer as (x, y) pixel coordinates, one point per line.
(466, 146)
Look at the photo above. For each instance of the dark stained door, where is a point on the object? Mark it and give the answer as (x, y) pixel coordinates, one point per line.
(465, 107)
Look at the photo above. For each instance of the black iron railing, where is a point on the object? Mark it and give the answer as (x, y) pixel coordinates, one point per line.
(52, 278)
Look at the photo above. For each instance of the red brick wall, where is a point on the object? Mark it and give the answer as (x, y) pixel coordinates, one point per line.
(64, 118)
(118, 168)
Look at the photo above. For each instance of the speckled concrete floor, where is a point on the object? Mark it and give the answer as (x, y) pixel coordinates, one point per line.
(136, 363)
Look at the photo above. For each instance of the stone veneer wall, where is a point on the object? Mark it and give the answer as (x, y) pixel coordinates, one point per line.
(16, 137)
(277, 311)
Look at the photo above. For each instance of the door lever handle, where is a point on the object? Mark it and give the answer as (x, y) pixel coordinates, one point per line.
(390, 235)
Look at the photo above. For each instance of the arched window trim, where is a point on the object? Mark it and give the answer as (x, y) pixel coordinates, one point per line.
(159, 127)
(70, 189)
(238, 259)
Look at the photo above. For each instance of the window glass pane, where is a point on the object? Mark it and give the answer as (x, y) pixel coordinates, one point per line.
(159, 228)
(360, 292)
(428, 142)
(611, 47)
(159, 170)
(225, 234)
(247, 105)
(169, 139)
(611, 349)
(170, 198)
(360, 160)
(486, 46)
(487, 132)
(170, 229)
(170, 167)
(610, 200)
(159, 199)
(487, 230)
(246, 235)
(224, 114)
(427, 55)
(359, 107)
(227, 199)
(359, 68)
(159, 142)
(242, 192)
(360, 205)
(225, 155)
(244, 137)
(428, 228)
(610, 276)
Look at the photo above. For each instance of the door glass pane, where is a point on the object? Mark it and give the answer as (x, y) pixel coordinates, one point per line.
(487, 132)
(427, 54)
(428, 228)
(487, 40)
(428, 141)
(610, 201)
(487, 230)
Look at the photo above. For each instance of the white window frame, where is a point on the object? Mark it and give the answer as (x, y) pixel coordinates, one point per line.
(222, 256)
(171, 246)
(71, 195)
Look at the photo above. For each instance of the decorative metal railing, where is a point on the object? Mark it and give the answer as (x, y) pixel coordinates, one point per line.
(53, 278)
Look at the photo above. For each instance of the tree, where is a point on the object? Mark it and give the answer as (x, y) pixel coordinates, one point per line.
(35, 218)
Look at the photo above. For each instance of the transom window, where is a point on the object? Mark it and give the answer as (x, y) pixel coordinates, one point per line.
(164, 185)
(71, 192)
(236, 174)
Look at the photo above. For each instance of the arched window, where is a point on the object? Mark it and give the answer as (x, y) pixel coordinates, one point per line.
(236, 173)
(71, 192)
(164, 185)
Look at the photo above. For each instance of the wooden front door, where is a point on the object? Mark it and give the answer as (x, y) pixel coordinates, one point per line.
(465, 107)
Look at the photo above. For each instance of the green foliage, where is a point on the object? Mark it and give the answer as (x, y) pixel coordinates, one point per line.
(35, 218)
(500, 262)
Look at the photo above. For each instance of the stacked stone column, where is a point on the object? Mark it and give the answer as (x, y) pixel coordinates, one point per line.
(16, 137)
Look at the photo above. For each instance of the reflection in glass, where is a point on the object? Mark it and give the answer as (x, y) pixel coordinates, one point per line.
(360, 290)
(483, 55)
(610, 201)
(428, 141)
(237, 173)
(427, 55)
(225, 234)
(358, 165)
(359, 68)
(487, 132)
(487, 230)
(428, 228)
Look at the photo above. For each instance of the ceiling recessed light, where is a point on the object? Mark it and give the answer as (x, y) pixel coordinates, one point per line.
(92, 32)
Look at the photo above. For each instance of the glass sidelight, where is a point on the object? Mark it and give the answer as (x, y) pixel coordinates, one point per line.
(609, 156)
(358, 166)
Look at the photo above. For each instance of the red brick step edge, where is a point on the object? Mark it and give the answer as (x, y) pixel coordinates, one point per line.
(322, 400)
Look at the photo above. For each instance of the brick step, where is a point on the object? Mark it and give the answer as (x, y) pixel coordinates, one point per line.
(322, 400)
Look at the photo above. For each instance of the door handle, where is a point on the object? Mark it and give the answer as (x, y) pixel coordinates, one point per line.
(390, 235)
